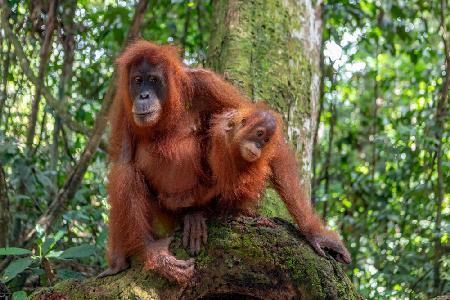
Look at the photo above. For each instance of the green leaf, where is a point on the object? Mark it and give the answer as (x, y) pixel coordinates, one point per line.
(44, 180)
(16, 267)
(20, 295)
(54, 254)
(50, 243)
(64, 274)
(14, 251)
(79, 251)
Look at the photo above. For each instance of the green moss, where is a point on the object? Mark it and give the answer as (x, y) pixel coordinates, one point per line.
(272, 206)
(240, 255)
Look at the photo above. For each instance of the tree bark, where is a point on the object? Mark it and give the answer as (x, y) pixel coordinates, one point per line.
(243, 260)
(4, 210)
(6, 64)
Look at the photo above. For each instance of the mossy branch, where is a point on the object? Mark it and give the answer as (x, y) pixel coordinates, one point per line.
(242, 260)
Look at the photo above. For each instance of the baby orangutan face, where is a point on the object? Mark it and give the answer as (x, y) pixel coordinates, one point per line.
(252, 132)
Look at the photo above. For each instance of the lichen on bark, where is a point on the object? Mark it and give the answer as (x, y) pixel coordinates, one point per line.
(242, 258)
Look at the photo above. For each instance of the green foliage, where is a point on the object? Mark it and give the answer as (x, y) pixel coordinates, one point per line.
(46, 254)
(384, 70)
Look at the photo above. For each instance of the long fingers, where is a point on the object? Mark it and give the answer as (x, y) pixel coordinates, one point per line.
(318, 249)
(204, 230)
(176, 270)
(186, 230)
(340, 252)
(193, 239)
(195, 233)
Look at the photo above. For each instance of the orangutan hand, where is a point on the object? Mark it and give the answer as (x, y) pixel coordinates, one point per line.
(330, 241)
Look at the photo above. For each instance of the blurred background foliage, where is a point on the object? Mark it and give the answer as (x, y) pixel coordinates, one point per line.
(381, 161)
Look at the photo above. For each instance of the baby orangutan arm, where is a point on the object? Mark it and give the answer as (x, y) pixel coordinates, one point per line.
(287, 183)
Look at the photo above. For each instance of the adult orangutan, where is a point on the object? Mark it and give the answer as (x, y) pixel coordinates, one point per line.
(155, 153)
(159, 118)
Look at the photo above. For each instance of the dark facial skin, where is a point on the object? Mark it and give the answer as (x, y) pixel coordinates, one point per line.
(148, 93)
(259, 128)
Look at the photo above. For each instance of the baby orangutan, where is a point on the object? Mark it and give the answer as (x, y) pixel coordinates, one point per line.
(245, 147)
(241, 144)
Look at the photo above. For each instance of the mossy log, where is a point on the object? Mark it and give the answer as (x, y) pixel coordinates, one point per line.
(243, 260)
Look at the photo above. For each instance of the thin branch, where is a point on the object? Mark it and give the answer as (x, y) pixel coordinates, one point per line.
(44, 56)
(74, 179)
(6, 65)
(66, 145)
(41, 134)
(200, 29)
(4, 211)
(328, 158)
(315, 152)
(187, 19)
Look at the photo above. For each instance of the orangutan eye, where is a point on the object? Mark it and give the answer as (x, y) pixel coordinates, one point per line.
(266, 140)
(259, 133)
(138, 79)
(153, 79)
(244, 121)
(231, 124)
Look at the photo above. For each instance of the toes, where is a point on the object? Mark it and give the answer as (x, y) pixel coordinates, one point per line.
(204, 232)
(192, 244)
(194, 233)
(112, 271)
(178, 270)
(342, 254)
(344, 258)
(198, 236)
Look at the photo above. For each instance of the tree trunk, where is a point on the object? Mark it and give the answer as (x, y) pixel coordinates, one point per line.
(242, 260)
(4, 210)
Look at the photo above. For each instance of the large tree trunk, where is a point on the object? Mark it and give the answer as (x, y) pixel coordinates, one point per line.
(243, 260)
